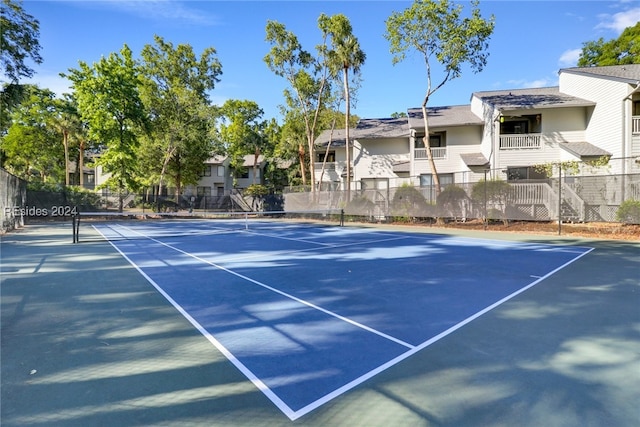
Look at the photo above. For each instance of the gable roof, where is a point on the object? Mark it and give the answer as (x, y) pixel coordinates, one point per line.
(367, 129)
(383, 128)
(518, 99)
(629, 73)
(449, 116)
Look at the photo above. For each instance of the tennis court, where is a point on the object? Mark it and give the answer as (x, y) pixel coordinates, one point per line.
(310, 312)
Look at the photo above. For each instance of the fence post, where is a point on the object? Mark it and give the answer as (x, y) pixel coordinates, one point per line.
(559, 199)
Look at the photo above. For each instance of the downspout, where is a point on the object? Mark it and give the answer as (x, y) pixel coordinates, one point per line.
(625, 134)
(494, 142)
(625, 140)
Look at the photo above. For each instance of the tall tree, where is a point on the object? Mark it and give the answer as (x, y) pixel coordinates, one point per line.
(175, 92)
(31, 146)
(621, 51)
(344, 55)
(308, 78)
(19, 34)
(109, 101)
(437, 30)
(245, 132)
(19, 42)
(66, 120)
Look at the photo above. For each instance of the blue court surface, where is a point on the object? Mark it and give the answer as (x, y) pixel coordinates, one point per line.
(307, 313)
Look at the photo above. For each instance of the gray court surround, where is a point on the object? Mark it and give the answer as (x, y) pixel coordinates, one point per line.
(87, 341)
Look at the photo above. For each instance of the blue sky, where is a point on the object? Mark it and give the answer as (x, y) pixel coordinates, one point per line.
(531, 42)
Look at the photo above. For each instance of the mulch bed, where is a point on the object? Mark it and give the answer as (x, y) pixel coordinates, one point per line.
(612, 231)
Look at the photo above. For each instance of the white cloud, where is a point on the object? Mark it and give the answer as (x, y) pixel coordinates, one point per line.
(541, 82)
(619, 21)
(569, 58)
(159, 10)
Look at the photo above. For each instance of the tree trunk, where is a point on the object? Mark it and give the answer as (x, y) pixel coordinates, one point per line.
(346, 131)
(427, 144)
(81, 164)
(65, 143)
(256, 155)
(303, 171)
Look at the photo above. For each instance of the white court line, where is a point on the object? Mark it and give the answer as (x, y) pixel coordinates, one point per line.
(427, 343)
(241, 367)
(285, 294)
(293, 415)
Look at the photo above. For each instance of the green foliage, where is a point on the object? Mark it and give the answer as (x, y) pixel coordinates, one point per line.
(109, 101)
(437, 30)
(174, 89)
(570, 167)
(19, 33)
(623, 50)
(344, 56)
(495, 190)
(48, 195)
(408, 202)
(31, 146)
(256, 190)
(309, 88)
(452, 201)
(492, 195)
(360, 205)
(629, 212)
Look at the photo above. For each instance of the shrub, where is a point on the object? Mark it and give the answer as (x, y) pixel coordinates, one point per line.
(452, 201)
(629, 212)
(360, 206)
(408, 203)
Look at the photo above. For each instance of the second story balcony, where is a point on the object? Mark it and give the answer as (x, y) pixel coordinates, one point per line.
(635, 125)
(438, 153)
(526, 141)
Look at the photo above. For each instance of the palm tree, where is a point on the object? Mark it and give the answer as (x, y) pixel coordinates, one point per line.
(345, 55)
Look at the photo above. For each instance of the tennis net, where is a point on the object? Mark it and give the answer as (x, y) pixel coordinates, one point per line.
(140, 225)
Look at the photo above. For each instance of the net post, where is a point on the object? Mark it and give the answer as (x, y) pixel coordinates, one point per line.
(75, 225)
(341, 217)
(246, 221)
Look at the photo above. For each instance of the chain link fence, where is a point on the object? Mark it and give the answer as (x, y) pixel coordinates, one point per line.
(13, 195)
(603, 198)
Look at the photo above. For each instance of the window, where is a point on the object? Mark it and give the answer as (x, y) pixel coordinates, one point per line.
(525, 172)
(203, 191)
(426, 180)
(220, 170)
(331, 156)
(635, 108)
(374, 183)
(515, 125)
(206, 171)
(436, 139)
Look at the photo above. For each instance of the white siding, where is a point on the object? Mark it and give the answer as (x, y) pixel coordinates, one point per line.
(375, 157)
(605, 126)
(459, 140)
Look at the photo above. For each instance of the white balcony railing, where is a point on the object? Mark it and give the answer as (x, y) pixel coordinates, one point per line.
(635, 125)
(328, 166)
(438, 153)
(527, 141)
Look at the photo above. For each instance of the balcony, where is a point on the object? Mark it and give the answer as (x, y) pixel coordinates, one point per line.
(528, 141)
(328, 166)
(635, 125)
(438, 153)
